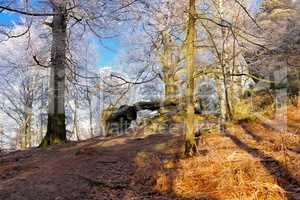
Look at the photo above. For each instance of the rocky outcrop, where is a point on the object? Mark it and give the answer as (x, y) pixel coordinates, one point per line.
(117, 121)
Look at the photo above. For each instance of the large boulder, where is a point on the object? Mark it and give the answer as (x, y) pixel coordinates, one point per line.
(117, 121)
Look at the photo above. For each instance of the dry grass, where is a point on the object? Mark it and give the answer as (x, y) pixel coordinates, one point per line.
(240, 178)
(294, 114)
(254, 163)
(225, 172)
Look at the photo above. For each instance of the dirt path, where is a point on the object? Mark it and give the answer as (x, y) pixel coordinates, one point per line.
(94, 169)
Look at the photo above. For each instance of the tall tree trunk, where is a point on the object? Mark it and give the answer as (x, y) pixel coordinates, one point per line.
(190, 143)
(56, 129)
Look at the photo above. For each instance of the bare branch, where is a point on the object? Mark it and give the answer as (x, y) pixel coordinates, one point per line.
(26, 13)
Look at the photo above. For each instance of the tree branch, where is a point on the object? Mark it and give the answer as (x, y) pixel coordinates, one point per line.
(25, 12)
(38, 62)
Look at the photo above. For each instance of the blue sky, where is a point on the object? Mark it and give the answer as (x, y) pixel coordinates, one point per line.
(109, 51)
(255, 5)
(108, 56)
(8, 18)
(108, 48)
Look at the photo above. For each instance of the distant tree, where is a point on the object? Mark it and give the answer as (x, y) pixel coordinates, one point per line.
(22, 83)
(279, 34)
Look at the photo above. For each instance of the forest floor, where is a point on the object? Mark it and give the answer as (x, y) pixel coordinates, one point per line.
(249, 160)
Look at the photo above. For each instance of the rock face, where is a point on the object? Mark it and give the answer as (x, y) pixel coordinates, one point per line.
(117, 121)
(207, 100)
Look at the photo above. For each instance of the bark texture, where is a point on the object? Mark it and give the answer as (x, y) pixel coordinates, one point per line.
(56, 129)
(169, 67)
(190, 143)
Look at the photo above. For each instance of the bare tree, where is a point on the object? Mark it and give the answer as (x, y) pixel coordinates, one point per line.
(64, 16)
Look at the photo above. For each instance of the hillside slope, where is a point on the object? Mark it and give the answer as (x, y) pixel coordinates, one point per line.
(247, 161)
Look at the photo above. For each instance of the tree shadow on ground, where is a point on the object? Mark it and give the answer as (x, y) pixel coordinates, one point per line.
(290, 128)
(247, 130)
(253, 135)
(285, 179)
(156, 178)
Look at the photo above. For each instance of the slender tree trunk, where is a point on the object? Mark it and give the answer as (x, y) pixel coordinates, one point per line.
(56, 129)
(298, 88)
(226, 93)
(190, 143)
(90, 114)
(88, 96)
(26, 126)
(41, 127)
(41, 115)
(1, 137)
(27, 130)
(298, 103)
(166, 60)
(224, 65)
(75, 122)
(221, 95)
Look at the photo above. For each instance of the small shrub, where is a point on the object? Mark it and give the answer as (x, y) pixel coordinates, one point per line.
(242, 111)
